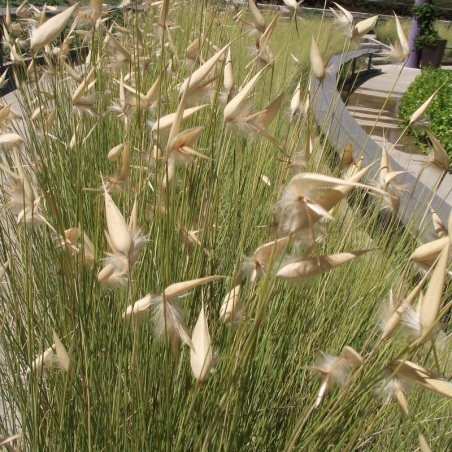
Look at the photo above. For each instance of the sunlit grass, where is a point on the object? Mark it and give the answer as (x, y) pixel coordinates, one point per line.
(125, 389)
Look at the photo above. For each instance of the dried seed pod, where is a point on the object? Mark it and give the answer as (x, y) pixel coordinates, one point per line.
(62, 354)
(139, 310)
(177, 289)
(317, 64)
(201, 353)
(402, 39)
(363, 27)
(421, 110)
(431, 307)
(117, 227)
(423, 377)
(230, 309)
(51, 29)
(308, 268)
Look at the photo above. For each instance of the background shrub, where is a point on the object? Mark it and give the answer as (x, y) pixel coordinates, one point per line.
(439, 113)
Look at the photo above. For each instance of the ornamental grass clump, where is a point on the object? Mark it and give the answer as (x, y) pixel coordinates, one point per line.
(126, 191)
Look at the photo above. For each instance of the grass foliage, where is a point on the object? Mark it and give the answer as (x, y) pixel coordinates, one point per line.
(125, 389)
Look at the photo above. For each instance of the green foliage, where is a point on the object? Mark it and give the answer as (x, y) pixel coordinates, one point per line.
(426, 17)
(125, 390)
(439, 112)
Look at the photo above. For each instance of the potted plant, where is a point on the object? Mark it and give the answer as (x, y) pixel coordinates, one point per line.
(428, 39)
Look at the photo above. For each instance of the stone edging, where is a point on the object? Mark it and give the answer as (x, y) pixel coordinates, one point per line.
(340, 128)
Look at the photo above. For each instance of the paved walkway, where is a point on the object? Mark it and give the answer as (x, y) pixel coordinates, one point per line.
(342, 125)
(374, 103)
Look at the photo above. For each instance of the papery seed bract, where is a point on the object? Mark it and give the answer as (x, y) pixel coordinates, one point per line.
(139, 310)
(310, 267)
(346, 14)
(10, 139)
(402, 38)
(46, 359)
(198, 76)
(296, 100)
(438, 225)
(424, 447)
(259, 21)
(51, 29)
(433, 296)
(201, 353)
(421, 110)
(228, 73)
(117, 227)
(177, 289)
(346, 156)
(428, 252)
(113, 153)
(439, 156)
(363, 27)
(267, 116)
(105, 273)
(62, 354)
(317, 64)
(164, 123)
(423, 377)
(233, 109)
(398, 312)
(230, 309)
(352, 357)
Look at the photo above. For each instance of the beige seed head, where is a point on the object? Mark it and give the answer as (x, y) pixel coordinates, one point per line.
(96, 6)
(421, 110)
(439, 155)
(51, 29)
(402, 38)
(138, 310)
(430, 309)
(199, 76)
(164, 124)
(201, 352)
(234, 108)
(296, 100)
(363, 27)
(308, 268)
(10, 140)
(4, 112)
(113, 153)
(117, 227)
(229, 73)
(346, 14)
(46, 359)
(230, 306)
(396, 316)
(424, 447)
(259, 21)
(61, 352)
(353, 358)
(267, 116)
(346, 156)
(317, 64)
(428, 252)
(105, 274)
(423, 377)
(180, 288)
(438, 225)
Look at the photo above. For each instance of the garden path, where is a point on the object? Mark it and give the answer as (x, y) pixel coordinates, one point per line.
(375, 101)
(341, 126)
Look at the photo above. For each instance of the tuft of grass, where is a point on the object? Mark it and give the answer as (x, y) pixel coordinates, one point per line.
(113, 304)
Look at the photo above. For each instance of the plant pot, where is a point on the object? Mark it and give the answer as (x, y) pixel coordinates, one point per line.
(433, 55)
